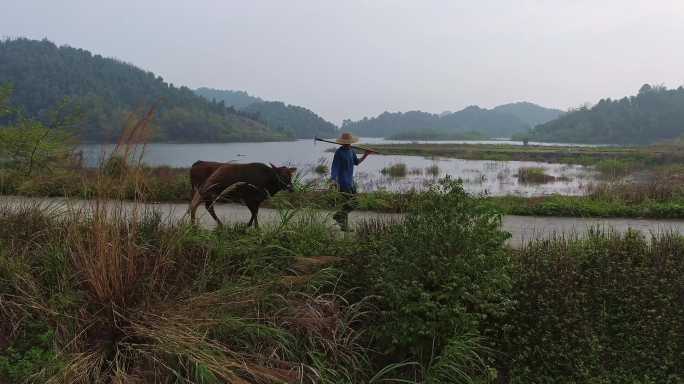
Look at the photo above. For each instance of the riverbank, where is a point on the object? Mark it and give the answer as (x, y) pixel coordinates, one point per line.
(652, 155)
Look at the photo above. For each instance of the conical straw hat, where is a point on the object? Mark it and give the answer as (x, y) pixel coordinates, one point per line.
(346, 138)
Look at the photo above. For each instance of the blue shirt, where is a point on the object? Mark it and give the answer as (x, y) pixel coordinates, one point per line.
(342, 170)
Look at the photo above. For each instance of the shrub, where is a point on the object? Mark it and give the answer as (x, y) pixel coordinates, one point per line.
(438, 273)
(603, 309)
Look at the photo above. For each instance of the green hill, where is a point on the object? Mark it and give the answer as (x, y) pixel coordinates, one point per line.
(235, 99)
(654, 114)
(106, 90)
(503, 121)
(529, 113)
(295, 120)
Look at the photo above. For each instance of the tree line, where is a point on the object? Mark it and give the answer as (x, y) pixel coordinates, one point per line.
(654, 114)
(473, 121)
(105, 91)
(293, 120)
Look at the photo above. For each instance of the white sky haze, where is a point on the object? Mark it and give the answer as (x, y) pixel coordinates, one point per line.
(353, 58)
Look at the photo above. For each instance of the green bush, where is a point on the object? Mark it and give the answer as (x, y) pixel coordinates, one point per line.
(606, 309)
(437, 274)
(29, 353)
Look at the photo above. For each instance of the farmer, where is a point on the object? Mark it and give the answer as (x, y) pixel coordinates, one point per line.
(342, 175)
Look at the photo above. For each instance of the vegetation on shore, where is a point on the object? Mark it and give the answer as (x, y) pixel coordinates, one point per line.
(428, 134)
(626, 156)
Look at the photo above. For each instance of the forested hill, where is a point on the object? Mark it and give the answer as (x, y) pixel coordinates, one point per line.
(502, 122)
(529, 113)
(235, 99)
(654, 114)
(106, 90)
(295, 120)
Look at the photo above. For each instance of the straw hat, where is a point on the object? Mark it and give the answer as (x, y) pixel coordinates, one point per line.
(346, 138)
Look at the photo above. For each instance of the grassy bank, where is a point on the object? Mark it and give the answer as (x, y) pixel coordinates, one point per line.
(662, 197)
(653, 155)
(104, 297)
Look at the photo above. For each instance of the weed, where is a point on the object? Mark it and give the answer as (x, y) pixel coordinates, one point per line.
(432, 170)
(534, 175)
(395, 170)
(614, 168)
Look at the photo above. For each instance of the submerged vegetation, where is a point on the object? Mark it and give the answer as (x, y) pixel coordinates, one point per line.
(395, 170)
(534, 175)
(661, 154)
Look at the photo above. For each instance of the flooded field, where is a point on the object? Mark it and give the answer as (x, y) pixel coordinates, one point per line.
(395, 173)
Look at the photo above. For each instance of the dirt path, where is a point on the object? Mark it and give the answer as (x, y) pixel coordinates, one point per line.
(522, 228)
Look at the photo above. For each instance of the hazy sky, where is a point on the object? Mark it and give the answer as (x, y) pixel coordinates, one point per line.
(349, 59)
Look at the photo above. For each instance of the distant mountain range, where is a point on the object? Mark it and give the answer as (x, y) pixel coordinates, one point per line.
(106, 90)
(502, 121)
(291, 119)
(654, 114)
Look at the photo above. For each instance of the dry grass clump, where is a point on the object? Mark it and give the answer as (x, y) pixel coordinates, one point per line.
(136, 299)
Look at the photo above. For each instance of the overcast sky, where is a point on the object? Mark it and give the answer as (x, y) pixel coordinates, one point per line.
(350, 59)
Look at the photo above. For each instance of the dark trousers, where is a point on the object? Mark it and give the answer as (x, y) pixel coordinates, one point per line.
(348, 200)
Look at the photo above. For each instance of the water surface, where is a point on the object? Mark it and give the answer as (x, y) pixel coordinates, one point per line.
(479, 176)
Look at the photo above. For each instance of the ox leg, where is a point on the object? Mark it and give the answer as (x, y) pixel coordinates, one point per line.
(194, 204)
(254, 209)
(210, 207)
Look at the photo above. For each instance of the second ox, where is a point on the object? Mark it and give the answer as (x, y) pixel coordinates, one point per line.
(250, 184)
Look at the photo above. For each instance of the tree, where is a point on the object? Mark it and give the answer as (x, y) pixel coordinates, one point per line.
(28, 145)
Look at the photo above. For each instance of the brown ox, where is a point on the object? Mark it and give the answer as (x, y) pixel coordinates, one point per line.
(250, 184)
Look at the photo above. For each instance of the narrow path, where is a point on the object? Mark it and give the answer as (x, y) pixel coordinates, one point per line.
(522, 228)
